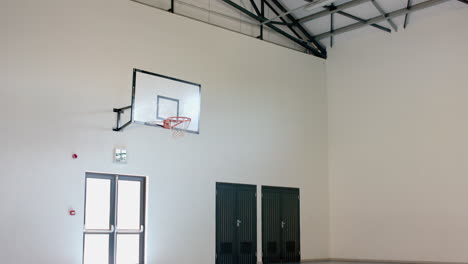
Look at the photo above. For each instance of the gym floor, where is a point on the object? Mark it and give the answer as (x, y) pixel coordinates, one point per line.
(340, 262)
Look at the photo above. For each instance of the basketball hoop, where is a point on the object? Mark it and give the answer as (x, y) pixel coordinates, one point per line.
(177, 124)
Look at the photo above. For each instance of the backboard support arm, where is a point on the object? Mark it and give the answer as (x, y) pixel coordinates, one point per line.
(119, 112)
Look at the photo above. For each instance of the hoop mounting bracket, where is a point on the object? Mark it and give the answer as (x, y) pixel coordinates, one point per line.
(119, 112)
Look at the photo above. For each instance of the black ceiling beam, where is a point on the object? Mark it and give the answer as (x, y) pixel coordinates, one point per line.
(314, 42)
(348, 15)
(303, 43)
(363, 21)
(281, 23)
(172, 7)
(262, 13)
(399, 12)
(284, 20)
(332, 27)
(259, 13)
(254, 5)
(329, 12)
(405, 24)
(382, 12)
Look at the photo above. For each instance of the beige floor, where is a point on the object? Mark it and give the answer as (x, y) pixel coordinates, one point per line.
(335, 262)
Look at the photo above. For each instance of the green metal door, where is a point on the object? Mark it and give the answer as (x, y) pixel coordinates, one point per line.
(225, 224)
(236, 224)
(271, 225)
(280, 225)
(290, 250)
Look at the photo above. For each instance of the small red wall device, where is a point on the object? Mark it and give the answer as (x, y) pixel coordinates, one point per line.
(72, 212)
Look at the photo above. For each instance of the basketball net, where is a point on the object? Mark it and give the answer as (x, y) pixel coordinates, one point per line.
(178, 125)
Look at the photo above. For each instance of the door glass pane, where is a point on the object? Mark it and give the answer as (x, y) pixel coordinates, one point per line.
(96, 249)
(128, 212)
(128, 249)
(97, 203)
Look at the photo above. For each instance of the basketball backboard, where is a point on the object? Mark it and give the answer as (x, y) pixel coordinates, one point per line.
(156, 97)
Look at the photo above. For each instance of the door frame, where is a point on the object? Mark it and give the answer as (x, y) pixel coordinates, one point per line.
(113, 200)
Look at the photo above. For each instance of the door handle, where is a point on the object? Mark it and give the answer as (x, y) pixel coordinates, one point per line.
(283, 224)
(239, 222)
(100, 231)
(131, 231)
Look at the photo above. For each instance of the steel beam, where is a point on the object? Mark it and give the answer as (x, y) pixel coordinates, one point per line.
(172, 7)
(262, 13)
(281, 23)
(364, 21)
(303, 43)
(378, 19)
(382, 12)
(311, 39)
(254, 5)
(405, 24)
(293, 30)
(287, 13)
(332, 26)
(307, 6)
(328, 12)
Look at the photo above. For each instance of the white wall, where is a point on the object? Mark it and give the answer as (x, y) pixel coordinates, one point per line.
(68, 63)
(398, 143)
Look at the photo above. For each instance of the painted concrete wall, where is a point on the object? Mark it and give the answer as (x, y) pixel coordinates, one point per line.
(398, 143)
(66, 64)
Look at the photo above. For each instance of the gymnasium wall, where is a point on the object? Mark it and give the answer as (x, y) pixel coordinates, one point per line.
(398, 142)
(65, 66)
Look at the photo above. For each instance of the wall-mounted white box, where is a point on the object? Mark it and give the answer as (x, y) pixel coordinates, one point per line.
(120, 155)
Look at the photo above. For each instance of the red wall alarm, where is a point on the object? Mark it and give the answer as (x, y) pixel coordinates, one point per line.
(72, 212)
(74, 156)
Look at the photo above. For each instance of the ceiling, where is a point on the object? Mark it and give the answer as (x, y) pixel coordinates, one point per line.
(338, 16)
(308, 35)
(365, 11)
